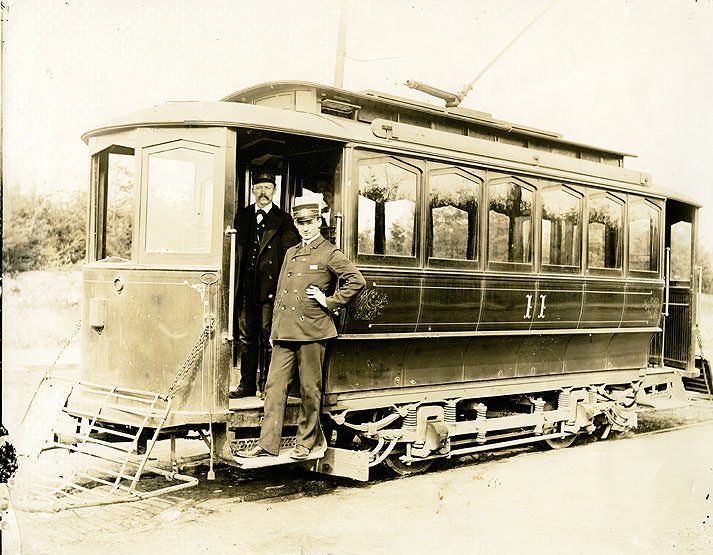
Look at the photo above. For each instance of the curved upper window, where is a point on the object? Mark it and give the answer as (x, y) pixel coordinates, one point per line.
(179, 205)
(644, 221)
(387, 209)
(605, 232)
(561, 229)
(509, 223)
(453, 227)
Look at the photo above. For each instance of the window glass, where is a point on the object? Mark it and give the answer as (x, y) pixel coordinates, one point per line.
(643, 236)
(119, 210)
(454, 217)
(180, 202)
(509, 223)
(387, 210)
(605, 232)
(560, 227)
(681, 235)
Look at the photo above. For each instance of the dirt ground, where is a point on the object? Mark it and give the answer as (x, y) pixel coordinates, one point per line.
(641, 493)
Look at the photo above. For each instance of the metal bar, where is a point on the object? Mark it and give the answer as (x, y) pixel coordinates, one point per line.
(94, 441)
(667, 286)
(488, 447)
(150, 447)
(698, 296)
(338, 230)
(103, 456)
(187, 482)
(231, 288)
(136, 394)
(112, 432)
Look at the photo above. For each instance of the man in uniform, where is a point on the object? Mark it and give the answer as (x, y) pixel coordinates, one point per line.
(264, 233)
(316, 281)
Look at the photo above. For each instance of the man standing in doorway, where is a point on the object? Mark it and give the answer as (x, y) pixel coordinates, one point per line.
(264, 233)
(316, 281)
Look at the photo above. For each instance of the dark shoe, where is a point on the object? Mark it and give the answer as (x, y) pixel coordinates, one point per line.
(256, 451)
(299, 453)
(241, 392)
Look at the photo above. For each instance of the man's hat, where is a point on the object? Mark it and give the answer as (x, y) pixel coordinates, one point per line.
(305, 211)
(264, 176)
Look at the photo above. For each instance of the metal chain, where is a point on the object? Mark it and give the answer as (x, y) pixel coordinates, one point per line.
(190, 362)
(67, 342)
(48, 373)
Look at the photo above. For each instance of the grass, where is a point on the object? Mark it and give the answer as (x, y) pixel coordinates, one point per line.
(39, 312)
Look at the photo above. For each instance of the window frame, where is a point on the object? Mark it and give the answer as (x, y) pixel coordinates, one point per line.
(580, 196)
(96, 248)
(646, 201)
(498, 265)
(602, 271)
(410, 165)
(184, 259)
(478, 179)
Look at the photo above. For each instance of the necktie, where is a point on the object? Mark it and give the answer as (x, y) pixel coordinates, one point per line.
(260, 214)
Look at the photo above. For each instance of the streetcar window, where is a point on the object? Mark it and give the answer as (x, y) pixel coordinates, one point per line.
(509, 223)
(387, 209)
(115, 169)
(561, 228)
(681, 237)
(179, 201)
(453, 232)
(643, 236)
(605, 232)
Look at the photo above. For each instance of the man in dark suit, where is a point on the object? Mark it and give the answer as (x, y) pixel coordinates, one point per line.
(264, 233)
(316, 281)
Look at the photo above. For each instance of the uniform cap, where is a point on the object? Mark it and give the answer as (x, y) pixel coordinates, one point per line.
(264, 176)
(306, 211)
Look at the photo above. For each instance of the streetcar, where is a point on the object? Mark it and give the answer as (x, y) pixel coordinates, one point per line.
(521, 287)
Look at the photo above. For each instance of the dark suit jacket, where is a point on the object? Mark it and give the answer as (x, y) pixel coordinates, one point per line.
(279, 235)
(296, 317)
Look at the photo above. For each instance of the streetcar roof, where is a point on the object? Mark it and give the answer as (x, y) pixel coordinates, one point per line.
(372, 97)
(235, 111)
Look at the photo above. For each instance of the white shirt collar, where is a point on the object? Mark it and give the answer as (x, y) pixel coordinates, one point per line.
(266, 209)
(310, 241)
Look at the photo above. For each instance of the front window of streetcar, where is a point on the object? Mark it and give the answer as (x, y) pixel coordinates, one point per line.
(179, 202)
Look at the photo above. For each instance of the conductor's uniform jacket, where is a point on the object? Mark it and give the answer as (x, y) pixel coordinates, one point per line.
(299, 318)
(300, 328)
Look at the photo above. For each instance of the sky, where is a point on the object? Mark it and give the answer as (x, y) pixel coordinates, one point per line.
(635, 76)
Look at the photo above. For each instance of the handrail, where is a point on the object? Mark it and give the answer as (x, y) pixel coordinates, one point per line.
(668, 279)
(231, 287)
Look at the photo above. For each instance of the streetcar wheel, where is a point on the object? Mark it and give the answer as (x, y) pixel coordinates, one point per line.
(400, 468)
(562, 442)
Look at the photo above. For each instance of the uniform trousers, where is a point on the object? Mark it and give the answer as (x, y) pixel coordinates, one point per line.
(309, 356)
(254, 324)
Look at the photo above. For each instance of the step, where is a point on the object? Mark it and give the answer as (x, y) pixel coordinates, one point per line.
(250, 463)
(254, 402)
